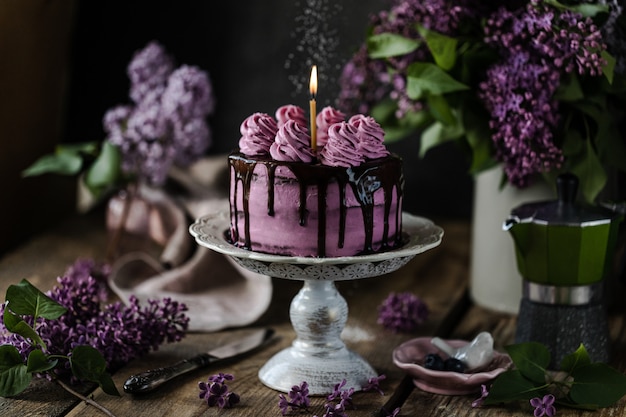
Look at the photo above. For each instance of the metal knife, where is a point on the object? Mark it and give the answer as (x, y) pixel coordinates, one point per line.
(152, 379)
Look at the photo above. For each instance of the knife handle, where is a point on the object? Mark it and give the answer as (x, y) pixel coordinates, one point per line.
(149, 380)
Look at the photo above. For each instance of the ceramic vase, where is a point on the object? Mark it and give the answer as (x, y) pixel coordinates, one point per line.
(495, 282)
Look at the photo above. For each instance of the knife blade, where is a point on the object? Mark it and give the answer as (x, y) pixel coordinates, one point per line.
(154, 378)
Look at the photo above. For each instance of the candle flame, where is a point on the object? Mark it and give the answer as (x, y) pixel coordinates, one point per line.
(313, 82)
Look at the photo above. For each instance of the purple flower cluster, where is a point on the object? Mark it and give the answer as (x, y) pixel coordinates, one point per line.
(120, 333)
(402, 312)
(366, 81)
(298, 398)
(337, 402)
(537, 47)
(515, 56)
(166, 124)
(216, 393)
(544, 406)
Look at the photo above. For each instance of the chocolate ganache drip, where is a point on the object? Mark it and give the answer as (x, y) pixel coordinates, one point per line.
(364, 180)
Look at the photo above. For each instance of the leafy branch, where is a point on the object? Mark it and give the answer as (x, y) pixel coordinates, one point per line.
(579, 384)
(25, 302)
(100, 163)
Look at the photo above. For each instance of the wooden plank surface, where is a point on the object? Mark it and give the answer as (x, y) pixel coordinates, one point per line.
(425, 276)
(438, 276)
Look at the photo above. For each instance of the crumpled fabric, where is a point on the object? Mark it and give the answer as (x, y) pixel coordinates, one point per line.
(159, 258)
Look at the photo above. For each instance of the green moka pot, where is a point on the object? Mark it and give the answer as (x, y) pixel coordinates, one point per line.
(564, 251)
(562, 243)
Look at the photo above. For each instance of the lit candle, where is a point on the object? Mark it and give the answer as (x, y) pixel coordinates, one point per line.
(312, 109)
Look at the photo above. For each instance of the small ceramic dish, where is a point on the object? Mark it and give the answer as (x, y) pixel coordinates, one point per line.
(410, 355)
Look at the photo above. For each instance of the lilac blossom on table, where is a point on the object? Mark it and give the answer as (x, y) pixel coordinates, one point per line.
(120, 333)
(544, 406)
(167, 122)
(402, 312)
(216, 393)
(297, 398)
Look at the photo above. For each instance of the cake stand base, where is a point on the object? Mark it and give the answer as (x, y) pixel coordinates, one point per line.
(318, 355)
(288, 368)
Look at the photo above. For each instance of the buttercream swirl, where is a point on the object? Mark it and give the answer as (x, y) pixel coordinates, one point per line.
(291, 112)
(324, 119)
(257, 134)
(342, 148)
(371, 136)
(292, 143)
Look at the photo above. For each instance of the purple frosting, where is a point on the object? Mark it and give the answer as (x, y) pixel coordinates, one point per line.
(257, 134)
(292, 143)
(342, 148)
(291, 112)
(327, 117)
(371, 136)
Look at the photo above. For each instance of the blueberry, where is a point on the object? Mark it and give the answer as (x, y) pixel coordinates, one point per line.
(433, 361)
(454, 365)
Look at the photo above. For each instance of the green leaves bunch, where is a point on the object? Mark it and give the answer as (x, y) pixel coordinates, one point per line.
(100, 163)
(579, 384)
(25, 302)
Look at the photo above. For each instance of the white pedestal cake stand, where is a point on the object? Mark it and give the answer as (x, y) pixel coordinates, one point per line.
(318, 312)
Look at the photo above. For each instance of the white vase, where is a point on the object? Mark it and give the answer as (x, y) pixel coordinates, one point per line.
(495, 282)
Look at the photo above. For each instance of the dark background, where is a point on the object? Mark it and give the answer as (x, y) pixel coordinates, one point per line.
(244, 46)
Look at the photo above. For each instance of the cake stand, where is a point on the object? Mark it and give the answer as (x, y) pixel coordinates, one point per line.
(318, 312)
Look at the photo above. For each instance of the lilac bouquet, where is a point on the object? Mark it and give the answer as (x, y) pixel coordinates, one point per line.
(537, 86)
(165, 124)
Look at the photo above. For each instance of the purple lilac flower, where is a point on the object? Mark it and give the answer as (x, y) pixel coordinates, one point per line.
(298, 398)
(538, 45)
(149, 69)
(120, 333)
(373, 384)
(544, 406)
(367, 81)
(403, 312)
(216, 393)
(167, 124)
(394, 413)
(343, 395)
(484, 392)
(83, 269)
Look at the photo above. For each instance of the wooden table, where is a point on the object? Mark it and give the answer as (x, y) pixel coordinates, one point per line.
(439, 277)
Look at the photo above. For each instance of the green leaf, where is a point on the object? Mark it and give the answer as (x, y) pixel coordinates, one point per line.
(569, 89)
(426, 78)
(85, 148)
(598, 384)
(512, 386)
(585, 9)
(385, 45)
(87, 363)
(574, 360)
(531, 359)
(25, 299)
(14, 378)
(39, 362)
(106, 169)
(16, 324)
(440, 109)
(609, 69)
(63, 163)
(442, 47)
(437, 134)
(591, 173)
